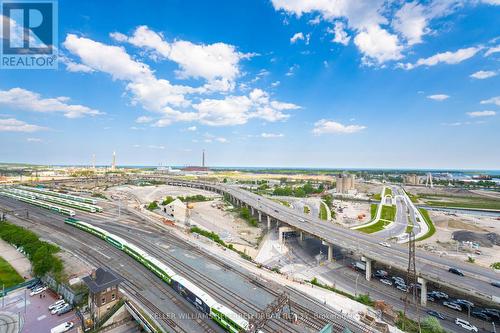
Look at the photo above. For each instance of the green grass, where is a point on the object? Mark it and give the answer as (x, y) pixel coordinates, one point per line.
(216, 238)
(387, 191)
(283, 202)
(413, 197)
(428, 221)
(323, 214)
(495, 265)
(8, 275)
(460, 201)
(307, 210)
(388, 213)
(409, 228)
(373, 210)
(376, 196)
(375, 227)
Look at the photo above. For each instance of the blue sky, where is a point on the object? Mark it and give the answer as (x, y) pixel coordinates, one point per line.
(366, 84)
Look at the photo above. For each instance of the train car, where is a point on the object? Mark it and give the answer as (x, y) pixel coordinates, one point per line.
(228, 319)
(88, 228)
(135, 252)
(62, 201)
(60, 195)
(160, 269)
(194, 295)
(39, 203)
(116, 241)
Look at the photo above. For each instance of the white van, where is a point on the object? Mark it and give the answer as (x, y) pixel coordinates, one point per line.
(465, 324)
(57, 308)
(56, 304)
(64, 327)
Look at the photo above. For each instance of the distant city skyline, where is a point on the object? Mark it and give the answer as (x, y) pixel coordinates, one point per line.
(278, 83)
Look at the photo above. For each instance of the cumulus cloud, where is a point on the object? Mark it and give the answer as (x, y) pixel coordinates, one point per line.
(485, 113)
(217, 63)
(494, 100)
(438, 97)
(378, 45)
(143, 120)
(339, 33)
(492, 50)
(448, 57)
(14, 125)
(296, 37)
(192, 128)
(325, 126)
(170, 102)
(34, 140)
(411, 22)
(481, 75)
(31, 101)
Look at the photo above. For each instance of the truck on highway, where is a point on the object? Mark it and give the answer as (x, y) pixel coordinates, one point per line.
(359, 266)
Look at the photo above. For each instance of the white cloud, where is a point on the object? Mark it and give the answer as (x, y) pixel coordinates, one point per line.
(296, 37)
(192, 128)
(217, 63)
(448, 57)
(411, 22)
(14, 125)
(339, 33)
(156, 147)
(492, 50)
(378, 45)
(275, 84)
(292, 70)
(34, 140)
(144, 120)
(476, 114)
(30, 101)
(221, 140)
(481, 75)
(271, 135)
(324, 126)
(493, 100)
(438, 97)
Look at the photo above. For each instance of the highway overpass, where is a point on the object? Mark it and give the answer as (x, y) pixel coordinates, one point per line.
(476, 282)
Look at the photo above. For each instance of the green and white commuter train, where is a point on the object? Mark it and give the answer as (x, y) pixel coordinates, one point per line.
(62, 210)
(57, 194)
(56, 200)
(225, 317)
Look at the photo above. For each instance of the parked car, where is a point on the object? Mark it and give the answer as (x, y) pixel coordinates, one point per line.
(481, 315)
(494, 314)
(57, 308)
(455, 271)
(38, 291)
(36, 285)
(64, 310)
(402, 287)
(385, 281)
(439, 294)
(453, 306)
(465, 324)
(435, 314)
(464, 303)
(380, 274)
(430, 298)
(495, 284)
(56, 304)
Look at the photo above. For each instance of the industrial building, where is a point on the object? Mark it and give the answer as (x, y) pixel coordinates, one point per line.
(345, 184)
(411, 179)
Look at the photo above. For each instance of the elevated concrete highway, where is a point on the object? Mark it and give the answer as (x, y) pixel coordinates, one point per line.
(476, 282)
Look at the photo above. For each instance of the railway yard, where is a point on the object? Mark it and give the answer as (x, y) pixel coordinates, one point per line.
(189, 275)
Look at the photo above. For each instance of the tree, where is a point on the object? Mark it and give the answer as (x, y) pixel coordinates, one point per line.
(225, 180)
(431, 325)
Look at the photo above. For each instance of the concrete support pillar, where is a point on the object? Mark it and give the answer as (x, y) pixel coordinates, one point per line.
(330, 250)
(260, 216)
(281, 231)
(268, 222)
(368, 263)
(423, 291)
(301, 236)
(252, 210)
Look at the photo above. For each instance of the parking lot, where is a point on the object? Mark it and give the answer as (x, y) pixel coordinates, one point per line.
(33, 311)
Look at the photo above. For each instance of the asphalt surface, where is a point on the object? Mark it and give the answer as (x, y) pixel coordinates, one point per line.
(476, 282)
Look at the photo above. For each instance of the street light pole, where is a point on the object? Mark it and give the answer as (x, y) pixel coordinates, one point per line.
(356, 290)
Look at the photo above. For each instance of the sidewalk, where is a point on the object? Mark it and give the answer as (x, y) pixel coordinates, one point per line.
(16, 259)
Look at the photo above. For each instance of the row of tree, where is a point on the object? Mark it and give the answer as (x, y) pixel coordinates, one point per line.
(298, 191)
(40, 253)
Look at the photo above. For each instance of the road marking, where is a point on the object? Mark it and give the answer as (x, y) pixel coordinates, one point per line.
(41, 317)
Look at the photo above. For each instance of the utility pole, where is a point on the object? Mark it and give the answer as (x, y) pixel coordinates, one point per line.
(259, 320)
(411, 279)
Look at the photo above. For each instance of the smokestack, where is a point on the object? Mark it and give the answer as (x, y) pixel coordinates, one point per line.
(113, 164)
(203, 158)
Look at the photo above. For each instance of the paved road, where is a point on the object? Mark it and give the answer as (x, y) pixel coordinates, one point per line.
(400, 221)
(475, 283)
